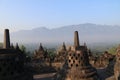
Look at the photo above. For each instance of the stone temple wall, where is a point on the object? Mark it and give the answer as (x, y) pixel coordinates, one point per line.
(12, 62)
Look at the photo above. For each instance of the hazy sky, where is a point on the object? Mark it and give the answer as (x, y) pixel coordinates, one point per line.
(28, 14)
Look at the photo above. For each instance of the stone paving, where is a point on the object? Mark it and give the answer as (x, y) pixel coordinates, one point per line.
(44, 76)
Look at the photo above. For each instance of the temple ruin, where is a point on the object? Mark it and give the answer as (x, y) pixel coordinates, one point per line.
(40, 54)
(77, 66)
(117, 64)
(60, 57)
(12, 62)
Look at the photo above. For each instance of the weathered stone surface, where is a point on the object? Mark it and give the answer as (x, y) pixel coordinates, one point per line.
(40, 54)
(61, 54)
(117, 64)
(12, 62)
(6, 39)
(77, 66)
(76, 39)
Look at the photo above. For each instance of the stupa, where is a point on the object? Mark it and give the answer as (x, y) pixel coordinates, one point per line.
(117, 64)
(40, 54)
(62, 53)
(12, 62)
(77, 66)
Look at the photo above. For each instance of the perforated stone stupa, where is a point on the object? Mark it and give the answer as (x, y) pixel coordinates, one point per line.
(62, 53)
(77, 66)
(117, 64)
(40, 54)
(12, 62)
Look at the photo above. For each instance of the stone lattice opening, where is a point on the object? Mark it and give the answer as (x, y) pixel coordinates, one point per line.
(76, 65)
(71, 65)
(12, 73)
(0, 69)
(76, 58)
(81, 58)
(69, 60)
(71, 57)
(119, 58)
(74, 54)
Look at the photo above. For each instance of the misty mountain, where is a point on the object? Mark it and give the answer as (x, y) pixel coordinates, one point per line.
(90, 33)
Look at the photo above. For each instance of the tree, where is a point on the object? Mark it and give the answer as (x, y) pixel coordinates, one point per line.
(51, 57)
(23, 48)
(112, 50)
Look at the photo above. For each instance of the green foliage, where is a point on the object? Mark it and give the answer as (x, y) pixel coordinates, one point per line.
(51, 54)
(25, 52)
(112, 50)
(23, 48)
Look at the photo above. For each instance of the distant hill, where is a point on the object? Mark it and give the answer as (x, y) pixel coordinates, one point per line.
(90, 33)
